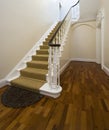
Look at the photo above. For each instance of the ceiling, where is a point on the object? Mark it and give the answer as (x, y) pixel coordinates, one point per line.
(88, 9)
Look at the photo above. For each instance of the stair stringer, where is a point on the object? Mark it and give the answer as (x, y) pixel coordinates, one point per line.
(15, 72)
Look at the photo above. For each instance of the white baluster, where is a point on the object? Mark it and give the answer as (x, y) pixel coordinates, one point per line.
(49, 67)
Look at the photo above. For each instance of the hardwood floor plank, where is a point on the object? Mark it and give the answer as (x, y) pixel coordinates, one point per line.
(83, 120)
(83, 104)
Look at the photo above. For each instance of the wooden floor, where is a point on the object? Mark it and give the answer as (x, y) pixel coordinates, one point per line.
(83, 105)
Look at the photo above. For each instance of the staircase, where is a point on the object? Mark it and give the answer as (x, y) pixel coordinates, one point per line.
(33, 77)
(42, 73)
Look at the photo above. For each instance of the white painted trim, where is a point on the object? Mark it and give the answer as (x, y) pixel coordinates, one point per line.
(86, 19)
(22, 64)
(98, 37)
(102, 38)
(64, 66)
(98, 45)
(106, 70)
(75, 59)
(2, 83)
(48, 91)
(83, 59)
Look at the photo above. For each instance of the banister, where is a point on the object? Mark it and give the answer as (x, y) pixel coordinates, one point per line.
(50, 42)
(59, 35)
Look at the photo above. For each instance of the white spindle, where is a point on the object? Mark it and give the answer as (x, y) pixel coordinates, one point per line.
(54, 56)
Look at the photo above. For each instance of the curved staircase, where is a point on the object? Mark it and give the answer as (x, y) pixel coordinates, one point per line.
(33, 77)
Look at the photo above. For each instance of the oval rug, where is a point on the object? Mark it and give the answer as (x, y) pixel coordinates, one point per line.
(16, 97)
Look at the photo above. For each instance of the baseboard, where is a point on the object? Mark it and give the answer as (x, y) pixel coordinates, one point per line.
(2, 83)
(64, 66)
(75, 59)
(106, 70)
(83, 59)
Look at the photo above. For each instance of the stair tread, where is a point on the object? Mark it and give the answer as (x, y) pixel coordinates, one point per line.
(28, 83)
(43, 50)
(44, 45)
(39, 62)
(35, 71)
(41, 55)
(45, 42)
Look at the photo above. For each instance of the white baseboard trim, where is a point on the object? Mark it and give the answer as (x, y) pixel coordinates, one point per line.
(83, 59)
(106, 70)
(2, 83)
(64, 66)
(75, 59)
(22, 64)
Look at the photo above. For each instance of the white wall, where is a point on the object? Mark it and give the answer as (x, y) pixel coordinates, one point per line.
(22, 23)
(66, 51)
(83, 41)
(104, 5)
(88, 9)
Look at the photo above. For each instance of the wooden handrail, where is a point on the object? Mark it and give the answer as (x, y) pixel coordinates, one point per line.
(50, 42)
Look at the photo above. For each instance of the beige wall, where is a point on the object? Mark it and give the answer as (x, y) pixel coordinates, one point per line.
(83, 41)
(105, 5)
(22, 23)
